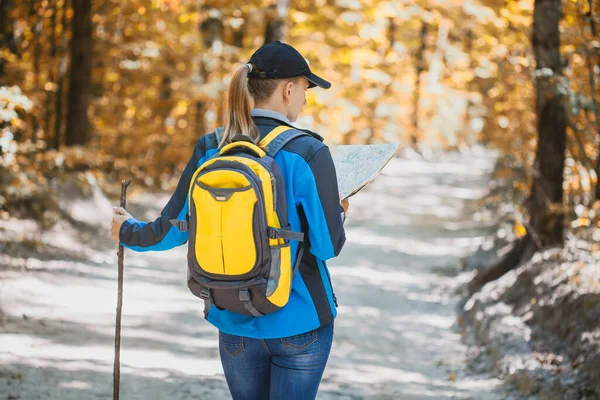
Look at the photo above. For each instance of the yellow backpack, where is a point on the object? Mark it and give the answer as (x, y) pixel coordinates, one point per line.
(239, 238)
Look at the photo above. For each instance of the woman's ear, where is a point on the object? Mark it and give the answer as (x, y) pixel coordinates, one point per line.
(287, 92)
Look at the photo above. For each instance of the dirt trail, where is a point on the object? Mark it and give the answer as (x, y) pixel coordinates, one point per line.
(395, 336)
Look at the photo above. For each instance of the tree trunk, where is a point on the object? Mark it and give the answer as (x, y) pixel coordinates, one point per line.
(239, 32)
(53, 74)
(81, 74)
(522, 251)
(212, 32)
(38, 27)
(62, 71)
(464, 136)
(544, 204)
(275, 29)
(7, 37)
(419, 68)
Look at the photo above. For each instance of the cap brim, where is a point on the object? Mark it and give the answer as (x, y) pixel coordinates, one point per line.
(315, 80)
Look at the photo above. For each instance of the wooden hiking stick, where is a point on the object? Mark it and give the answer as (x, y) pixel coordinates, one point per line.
(120, 255)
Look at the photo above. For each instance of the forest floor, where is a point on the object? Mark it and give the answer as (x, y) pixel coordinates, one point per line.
(540, 322)
(398, 283)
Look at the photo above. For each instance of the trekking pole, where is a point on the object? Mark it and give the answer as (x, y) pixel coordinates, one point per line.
(120, 255)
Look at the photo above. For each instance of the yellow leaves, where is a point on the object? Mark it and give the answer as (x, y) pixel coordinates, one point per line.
(151, 92)
(8, 55)
(130, 113)
(461, 76)
(520, 230)
(111, 76)
(361, 56)
(351, 4)
(181, 108)
(345, 56)
(581, 222)
(585, 6)
(351, 17)
(299, 17)
(378, 76)
(50, 86)
(151, 66)
(374, 31)
(184, 18)
(146, 112)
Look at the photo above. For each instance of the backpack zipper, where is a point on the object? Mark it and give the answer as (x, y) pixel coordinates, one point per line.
(273, 184)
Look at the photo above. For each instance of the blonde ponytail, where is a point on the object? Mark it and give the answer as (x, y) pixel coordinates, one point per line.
(238, 119)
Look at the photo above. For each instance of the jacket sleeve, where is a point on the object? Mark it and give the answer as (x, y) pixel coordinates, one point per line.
(316, 190)
(160, 234)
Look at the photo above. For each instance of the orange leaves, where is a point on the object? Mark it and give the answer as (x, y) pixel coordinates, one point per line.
(520, 230)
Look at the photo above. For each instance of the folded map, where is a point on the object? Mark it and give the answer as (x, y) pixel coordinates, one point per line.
(357, 165)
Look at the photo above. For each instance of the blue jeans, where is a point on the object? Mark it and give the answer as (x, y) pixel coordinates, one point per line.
(287, 368)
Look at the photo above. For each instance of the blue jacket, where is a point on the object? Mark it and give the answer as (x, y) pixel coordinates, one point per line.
(313, 207)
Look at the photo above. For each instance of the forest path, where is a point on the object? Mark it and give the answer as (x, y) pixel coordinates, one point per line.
(396, 333)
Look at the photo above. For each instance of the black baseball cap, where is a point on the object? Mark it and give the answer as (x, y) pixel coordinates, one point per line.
(278, 60)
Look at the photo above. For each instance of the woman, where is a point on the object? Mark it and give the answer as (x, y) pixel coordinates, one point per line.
(281, 355)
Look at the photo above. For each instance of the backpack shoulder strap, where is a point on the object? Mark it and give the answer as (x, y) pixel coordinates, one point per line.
(279, 137)
(219, 134)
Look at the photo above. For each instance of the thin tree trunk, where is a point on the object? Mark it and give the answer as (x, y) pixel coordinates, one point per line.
(391, 34)
(37, 52)
(54, 74)
(211, 31)
(436, 65)
(62, 72)
(81, 74)
(464, 136)
(275, 28)
(239, 33)
(419, 68)
(7, 38)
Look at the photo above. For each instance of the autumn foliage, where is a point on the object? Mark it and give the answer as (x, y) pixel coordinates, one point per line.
(430, 74)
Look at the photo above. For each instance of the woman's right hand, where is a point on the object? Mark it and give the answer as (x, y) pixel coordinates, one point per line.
(121, 215)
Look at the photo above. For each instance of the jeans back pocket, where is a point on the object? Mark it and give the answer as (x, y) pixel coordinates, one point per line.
(233, 345)
(300, 342)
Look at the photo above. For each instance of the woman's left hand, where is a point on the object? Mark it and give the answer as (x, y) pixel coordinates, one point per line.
(121, 215)
(345, 205)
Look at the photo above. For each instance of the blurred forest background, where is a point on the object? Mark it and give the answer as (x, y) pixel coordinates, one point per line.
(109, 89)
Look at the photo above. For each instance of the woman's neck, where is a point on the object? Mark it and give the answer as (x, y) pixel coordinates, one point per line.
(272, 107)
